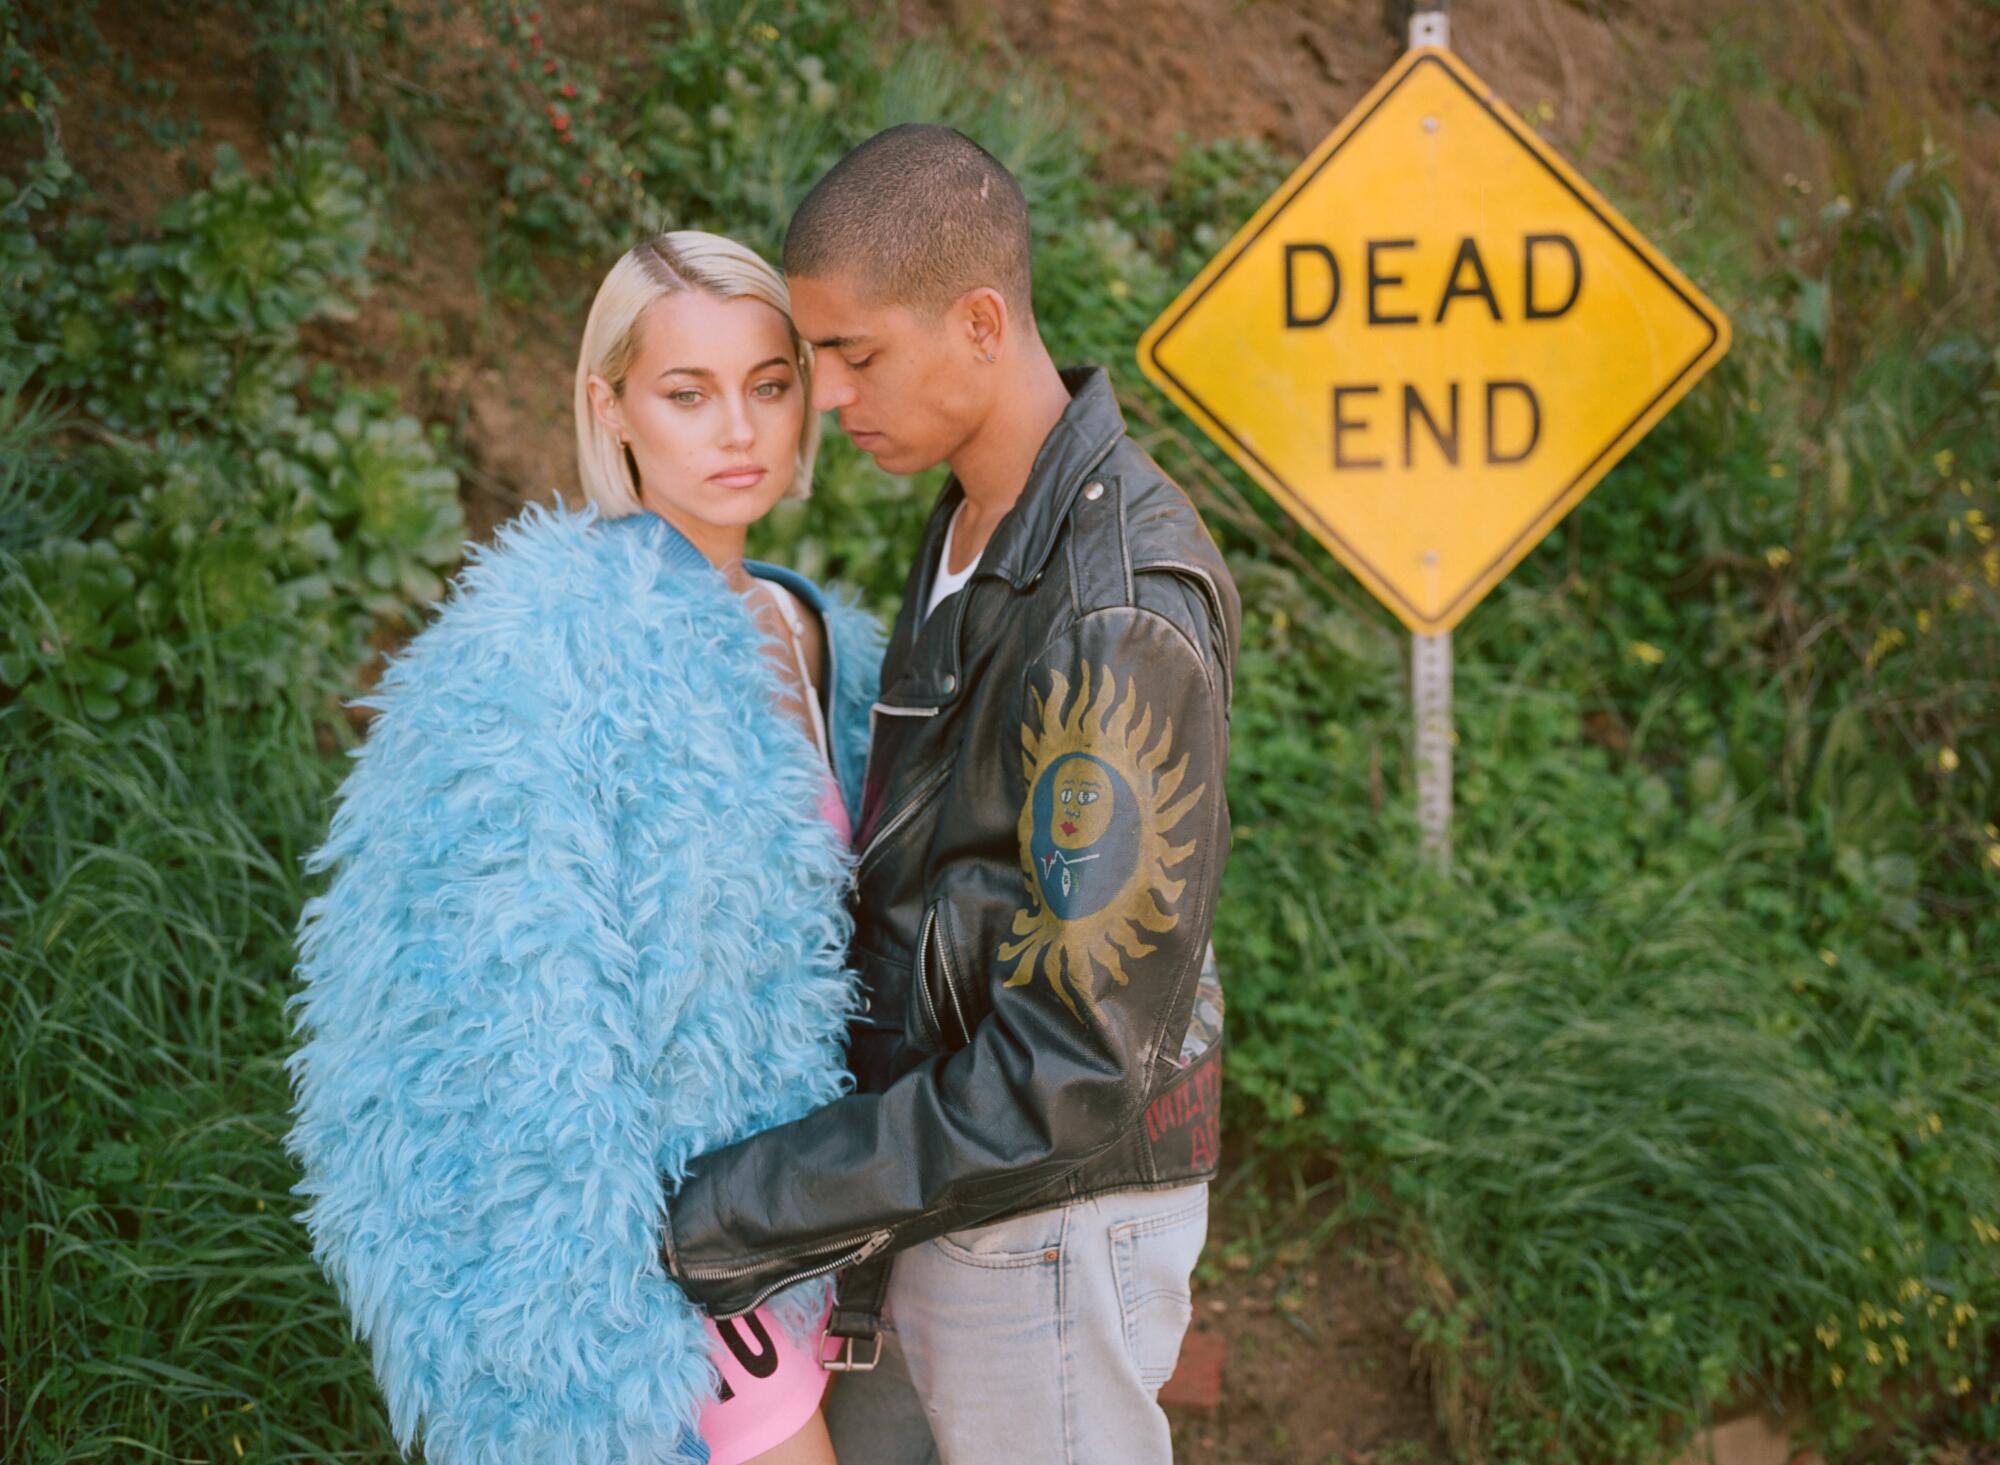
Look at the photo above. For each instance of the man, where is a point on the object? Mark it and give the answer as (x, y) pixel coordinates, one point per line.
(1042, 837)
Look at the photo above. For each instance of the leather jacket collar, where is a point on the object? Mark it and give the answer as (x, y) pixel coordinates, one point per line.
(1089, 428)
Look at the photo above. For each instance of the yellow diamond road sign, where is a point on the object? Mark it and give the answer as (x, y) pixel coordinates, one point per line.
(1432, 340)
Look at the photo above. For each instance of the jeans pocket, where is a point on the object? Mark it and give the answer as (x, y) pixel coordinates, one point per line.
(1153, 1257)
(1034, 1239)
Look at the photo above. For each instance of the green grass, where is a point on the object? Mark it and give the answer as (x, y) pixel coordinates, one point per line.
(157, 1300)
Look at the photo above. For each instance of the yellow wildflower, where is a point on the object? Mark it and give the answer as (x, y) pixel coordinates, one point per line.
(1942, 461)
(1936, 1124)
(1948, 760)
(1119, 289)
(1886, 642)
(1838, 1375)
(1961, 1385)
(1647, 652)
(1985, 1230)
(1777, 556)
(1912, 1289)
(1902, 1349)
(1828, 1334)
(1993, 855)
(1964, 1312)
(1874, 1353)
(1826, 955)
(1776, 470)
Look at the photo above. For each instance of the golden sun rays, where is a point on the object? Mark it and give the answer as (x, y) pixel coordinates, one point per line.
(1093, 833)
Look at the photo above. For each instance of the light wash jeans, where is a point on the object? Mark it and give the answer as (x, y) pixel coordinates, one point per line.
(1040, 1340)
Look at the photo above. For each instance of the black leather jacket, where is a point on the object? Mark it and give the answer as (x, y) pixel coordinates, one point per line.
(1042, 836)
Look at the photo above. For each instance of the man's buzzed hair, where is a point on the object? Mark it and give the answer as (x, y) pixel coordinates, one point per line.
(917, 215)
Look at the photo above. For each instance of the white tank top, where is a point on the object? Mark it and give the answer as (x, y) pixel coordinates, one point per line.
(946, 582)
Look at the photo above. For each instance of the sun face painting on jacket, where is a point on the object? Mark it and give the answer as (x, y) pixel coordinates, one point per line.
(586, 917)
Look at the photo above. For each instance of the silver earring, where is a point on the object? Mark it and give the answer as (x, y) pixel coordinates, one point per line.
(991, 358)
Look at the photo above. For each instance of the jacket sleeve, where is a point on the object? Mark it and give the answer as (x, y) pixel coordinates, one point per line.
(1121, 819)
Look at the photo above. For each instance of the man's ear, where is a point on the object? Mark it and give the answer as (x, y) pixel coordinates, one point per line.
(985, 321)
(604, 402)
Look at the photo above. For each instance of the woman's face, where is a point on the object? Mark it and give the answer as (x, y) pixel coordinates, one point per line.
(711, 410)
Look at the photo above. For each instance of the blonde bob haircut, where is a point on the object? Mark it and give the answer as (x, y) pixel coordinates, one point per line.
(682, 259)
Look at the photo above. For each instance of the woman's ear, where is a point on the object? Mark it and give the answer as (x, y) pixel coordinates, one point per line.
(604, 402)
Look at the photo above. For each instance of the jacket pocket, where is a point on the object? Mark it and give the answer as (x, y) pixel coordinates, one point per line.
(937, 999)
(952, 998)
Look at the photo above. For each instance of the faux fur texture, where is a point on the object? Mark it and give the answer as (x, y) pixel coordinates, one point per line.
(584, 923)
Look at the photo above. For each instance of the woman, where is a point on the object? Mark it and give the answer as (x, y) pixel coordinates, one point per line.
(586, 918)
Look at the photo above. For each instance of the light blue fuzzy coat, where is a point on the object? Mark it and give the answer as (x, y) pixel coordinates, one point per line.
(583, 924)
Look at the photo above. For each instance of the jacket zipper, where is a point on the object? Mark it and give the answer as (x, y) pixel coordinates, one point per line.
(932, 781)
(871, 1242)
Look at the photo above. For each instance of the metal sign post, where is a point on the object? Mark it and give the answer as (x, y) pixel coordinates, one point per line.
(1430, 655)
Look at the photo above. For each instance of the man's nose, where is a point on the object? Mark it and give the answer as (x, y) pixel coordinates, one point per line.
(832, 388)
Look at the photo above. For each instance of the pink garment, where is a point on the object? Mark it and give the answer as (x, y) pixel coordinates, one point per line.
(833, 808)
(770, 1387)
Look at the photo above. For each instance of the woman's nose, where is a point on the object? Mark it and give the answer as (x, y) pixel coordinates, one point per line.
(737, 431)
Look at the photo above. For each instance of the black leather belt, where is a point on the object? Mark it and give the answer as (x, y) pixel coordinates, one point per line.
(857, 1314)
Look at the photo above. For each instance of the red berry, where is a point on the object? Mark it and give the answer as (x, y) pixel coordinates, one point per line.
(569, 88)
(548, 65)
(583, 180)
(561, 121)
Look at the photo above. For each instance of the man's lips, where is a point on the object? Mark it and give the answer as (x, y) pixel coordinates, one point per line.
(861, 436)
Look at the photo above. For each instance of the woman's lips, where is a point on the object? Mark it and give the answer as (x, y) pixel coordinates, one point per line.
(739, 477)
(1068, 828)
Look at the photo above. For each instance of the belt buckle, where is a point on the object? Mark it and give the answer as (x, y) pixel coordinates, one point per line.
(845, 1362)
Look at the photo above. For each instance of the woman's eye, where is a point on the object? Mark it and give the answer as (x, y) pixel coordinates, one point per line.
(768, 390)
(686, 396)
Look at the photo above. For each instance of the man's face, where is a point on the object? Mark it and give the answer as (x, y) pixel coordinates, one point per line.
(908, 388)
